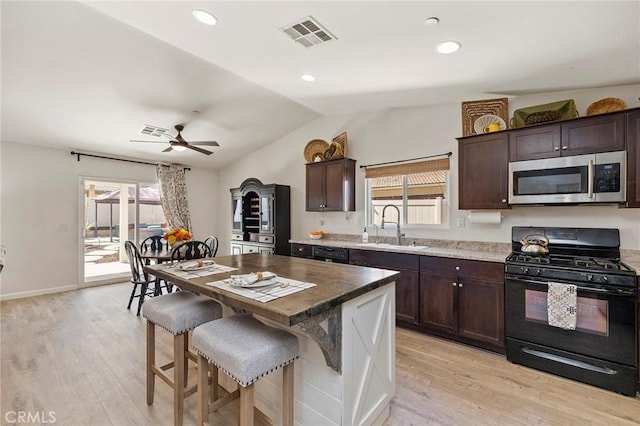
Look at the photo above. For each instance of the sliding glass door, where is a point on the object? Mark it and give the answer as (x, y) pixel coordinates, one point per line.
(112, 213)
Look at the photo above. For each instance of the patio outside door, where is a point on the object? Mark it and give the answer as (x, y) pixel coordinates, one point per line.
(110, 217)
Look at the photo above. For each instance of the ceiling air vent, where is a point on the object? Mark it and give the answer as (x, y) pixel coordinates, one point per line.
(308, 32)
(150, 130)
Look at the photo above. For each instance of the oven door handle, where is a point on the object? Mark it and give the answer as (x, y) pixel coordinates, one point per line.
(615, 292)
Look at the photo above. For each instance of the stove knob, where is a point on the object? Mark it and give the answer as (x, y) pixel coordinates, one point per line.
(538, 271)
(605, 278)
(525, 270)
(589, 277)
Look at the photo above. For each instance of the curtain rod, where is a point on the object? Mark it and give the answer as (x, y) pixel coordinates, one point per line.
(448, 154)
(78, 154)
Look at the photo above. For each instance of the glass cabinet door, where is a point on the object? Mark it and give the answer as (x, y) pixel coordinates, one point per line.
(236, 212)
(266, 213)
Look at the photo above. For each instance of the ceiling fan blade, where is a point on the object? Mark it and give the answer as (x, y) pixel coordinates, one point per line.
(133, 140)
(200, 150)
(170, 148)
(205, 143)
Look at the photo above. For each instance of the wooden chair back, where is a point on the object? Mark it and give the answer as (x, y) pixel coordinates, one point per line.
(154, 243)
(212, 242)
(190, 250)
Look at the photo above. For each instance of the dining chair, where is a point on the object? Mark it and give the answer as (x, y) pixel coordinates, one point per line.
(212, 242)
(139, 278)
(190, 250)
(154, 243)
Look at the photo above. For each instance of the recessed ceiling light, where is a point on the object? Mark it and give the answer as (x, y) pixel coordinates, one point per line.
(430, 22)
(449, 46)
(204, 17)
(307, 77)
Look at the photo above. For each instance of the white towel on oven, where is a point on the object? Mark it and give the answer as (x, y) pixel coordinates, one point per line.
(562, 305)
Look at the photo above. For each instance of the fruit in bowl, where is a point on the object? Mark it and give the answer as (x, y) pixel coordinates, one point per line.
(316, 235)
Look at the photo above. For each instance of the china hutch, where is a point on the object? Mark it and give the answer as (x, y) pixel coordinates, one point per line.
(261, 218)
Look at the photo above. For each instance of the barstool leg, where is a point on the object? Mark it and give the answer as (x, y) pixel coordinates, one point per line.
(186, 359)
(178, 378)
(246, 405)
(151, 360)
(213, 373)
(203, 404)
(287, 395)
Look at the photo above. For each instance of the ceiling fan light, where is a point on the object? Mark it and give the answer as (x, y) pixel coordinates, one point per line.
(204, 17)
(448, 46)
(179, 148)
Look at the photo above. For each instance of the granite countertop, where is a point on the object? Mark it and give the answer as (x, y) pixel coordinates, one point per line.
(472, 250)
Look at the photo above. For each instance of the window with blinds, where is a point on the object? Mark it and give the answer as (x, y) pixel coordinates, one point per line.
(418, 190)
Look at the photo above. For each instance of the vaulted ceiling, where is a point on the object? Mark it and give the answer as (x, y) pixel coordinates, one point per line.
(90, 75)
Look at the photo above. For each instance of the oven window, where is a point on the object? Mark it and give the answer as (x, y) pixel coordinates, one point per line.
(592, 317)
(566, 180)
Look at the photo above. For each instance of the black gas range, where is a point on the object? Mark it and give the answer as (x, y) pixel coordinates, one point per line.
(601, 348)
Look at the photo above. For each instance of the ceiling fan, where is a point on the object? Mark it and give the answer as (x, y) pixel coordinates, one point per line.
(179, 144)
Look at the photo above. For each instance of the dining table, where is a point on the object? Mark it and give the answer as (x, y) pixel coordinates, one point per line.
(343, 315)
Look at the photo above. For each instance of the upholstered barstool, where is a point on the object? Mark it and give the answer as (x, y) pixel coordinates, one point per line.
(177, 313)
(246, 350)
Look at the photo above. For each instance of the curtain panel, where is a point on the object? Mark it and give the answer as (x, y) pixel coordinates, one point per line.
(173, 194)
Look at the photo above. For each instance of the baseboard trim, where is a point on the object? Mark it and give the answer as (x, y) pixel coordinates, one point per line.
(41, 292)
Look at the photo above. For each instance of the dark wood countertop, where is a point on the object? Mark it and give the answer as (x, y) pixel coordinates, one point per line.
(336, 284)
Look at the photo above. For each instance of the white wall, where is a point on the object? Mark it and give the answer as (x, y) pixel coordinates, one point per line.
(39, 211)
(399, 134)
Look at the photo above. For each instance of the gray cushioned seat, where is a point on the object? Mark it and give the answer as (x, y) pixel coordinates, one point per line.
(181, 311)
(244, 348)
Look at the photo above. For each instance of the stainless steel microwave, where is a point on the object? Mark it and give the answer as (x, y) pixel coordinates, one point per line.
(592, 178)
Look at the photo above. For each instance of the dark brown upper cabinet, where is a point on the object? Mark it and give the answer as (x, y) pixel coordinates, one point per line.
(587, 135)
(633, 159)
(331, 185)
(482, 171)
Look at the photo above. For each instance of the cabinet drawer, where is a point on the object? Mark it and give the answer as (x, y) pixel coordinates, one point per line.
(301, 250)
(236, 237)
(490, 271)
(393, 261)
(250, 249)
(267, 239)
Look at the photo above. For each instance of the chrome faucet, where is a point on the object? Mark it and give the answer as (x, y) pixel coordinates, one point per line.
(399, 234)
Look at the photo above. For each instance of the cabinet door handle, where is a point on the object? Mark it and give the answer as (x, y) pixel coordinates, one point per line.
(504, 200)
(556, 148)
(454, 284)
(460, 285)
(300, 249)
(457, 268)
(564, 148)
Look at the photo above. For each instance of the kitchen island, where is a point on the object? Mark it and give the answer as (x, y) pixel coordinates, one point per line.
(345, 325)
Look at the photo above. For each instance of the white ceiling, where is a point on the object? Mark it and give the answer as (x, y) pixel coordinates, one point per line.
(88, 76)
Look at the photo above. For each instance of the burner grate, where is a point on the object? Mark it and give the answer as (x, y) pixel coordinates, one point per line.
(595, 263)
(542, 260)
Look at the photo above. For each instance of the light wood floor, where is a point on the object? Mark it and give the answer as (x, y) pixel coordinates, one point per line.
(80, 354)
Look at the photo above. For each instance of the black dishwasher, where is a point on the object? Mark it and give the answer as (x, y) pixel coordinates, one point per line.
(331, 254)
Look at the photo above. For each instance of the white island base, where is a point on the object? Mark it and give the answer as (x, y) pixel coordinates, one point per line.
(358, 395)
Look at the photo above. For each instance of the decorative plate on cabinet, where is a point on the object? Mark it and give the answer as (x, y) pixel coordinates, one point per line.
(314, 150)
(484, 121)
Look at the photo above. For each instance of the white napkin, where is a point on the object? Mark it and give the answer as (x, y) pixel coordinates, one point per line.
(247, 280)
(195, 264)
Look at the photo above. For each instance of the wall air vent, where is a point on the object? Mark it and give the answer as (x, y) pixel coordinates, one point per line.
(150, 130)
(308, 32)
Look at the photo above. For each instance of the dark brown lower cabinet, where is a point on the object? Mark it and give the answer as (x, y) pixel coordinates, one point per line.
(407, 285)
(463, 300)
(458, 299)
